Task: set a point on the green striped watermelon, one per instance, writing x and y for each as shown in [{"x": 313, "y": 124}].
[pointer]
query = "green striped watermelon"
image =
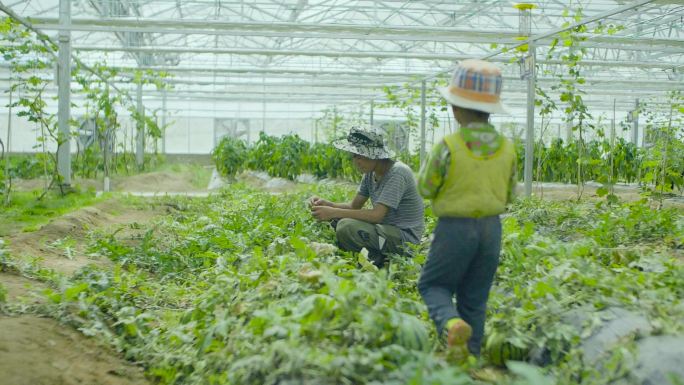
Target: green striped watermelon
[{"x": 499, "y": 350}]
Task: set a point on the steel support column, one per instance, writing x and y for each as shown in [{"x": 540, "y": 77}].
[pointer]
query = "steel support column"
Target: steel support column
[
  {"x": 140, "y": 132},
  {"x": 529, "y": 137},
  {"x": 163, "y": 121},
  {"x": 64, "y": 95},
  {"x": 372, "y": 108},
  {"x": 635, "y": 124},
  {"x": 8, "y": 146},
  {"x": 422, "y": 122}
]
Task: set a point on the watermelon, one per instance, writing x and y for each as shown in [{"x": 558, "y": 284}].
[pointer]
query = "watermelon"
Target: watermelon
[
  {"x": 411, "y": 333},
  {"x": 500, "y": 350}
]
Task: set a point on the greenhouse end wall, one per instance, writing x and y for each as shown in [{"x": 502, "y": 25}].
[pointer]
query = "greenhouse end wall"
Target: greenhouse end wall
[{"x": 184, "y": 135}]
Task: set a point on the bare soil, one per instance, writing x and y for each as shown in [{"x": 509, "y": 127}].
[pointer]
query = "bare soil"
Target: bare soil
[
  {"x": 59, "y": 245},
  {"x": 160, "y": 181},
  {"x": 182, "y": 180},
  {"x": 41, "y": 351},
  {"x": 22, "y": 290},
  {"x": 36, "y": 351},
  {"x": 263, "y": 181},
  {"x": 561, "y": 192}
]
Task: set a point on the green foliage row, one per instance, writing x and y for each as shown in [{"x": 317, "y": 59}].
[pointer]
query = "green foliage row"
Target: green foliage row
[
  {"x": 231, "y": 289},
  {"x": 562, "y": 258},
  {"x": 558, "y": 163},
  {"x": 286, "y": 157},
  {"x": 229, "y": 156},
  {"x": 87, "y": 164}
]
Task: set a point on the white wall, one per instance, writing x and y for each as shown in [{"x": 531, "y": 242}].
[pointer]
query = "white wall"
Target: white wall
[{"x": 196, "y": 135}]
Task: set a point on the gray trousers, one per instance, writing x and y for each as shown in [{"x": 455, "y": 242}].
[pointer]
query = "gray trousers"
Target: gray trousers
[
  {"x": 379, "y": 240},
  {"x": 462, "y": 262}
]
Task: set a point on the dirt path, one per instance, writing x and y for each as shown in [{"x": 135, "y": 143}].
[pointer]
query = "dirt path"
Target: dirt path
[
  {"x": 34, "y": 350},
  {"x": 21, "y": 290},
  {"x": 561, "y": 192},
  {"x": 59, "y": 245},
  {"x": 41, "y": 351}
]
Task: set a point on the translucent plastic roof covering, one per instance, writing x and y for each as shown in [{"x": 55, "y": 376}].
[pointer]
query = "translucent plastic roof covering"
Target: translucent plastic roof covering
[{"x": 337, "y": 52}]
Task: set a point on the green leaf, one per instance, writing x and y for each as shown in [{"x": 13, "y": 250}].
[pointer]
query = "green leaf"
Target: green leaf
[
  {"x": 72, "y": 293},
  {"x": 529, "y": 374}
]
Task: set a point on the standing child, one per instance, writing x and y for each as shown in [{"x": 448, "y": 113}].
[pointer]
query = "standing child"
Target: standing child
[{"x": 470, "y": 177}]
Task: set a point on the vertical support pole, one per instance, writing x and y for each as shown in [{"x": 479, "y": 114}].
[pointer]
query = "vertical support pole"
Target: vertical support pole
[
  {"x": 187, "y": 135},
  {"x": 107, "y": 150},
  {"x": 140, "y": 132},
  {"x": 612, "y": 147},
  {"x": 263, "y": 105},
  {"x": 372, "y": 111},
  {"x": 432, "y": 140},
  {"x": 63, "y": 93},
  {"x": 528, "y": 69},
  {"x": 569, "y": 136},
  {"x": 334, "y": 122},
  {"x": 635, "y": 124},
  {"x": 311, "y": 134},
  {"x": 263, "y": 116},
  {"x": 315, "y": 130},
  {"x": 529, "y": 137},
  {"x": 422, "y": 122},
  {"x": 8, "y": 180},
  {"x": 163, "y": 121}
]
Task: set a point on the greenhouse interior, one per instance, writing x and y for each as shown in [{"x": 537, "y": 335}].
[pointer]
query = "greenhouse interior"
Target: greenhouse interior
[{"x": 262, "y": 192}]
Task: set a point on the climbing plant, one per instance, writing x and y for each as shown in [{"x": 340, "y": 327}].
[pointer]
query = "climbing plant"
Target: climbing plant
[
  {"x": 31, "y": 56},
  {"x": 28, "y": 56},
  {"x": 662, "y": 170},
  {"x": 407, "y": 99}
]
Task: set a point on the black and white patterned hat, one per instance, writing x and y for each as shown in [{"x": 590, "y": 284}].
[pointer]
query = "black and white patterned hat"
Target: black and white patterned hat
[{"x": 366, "y": 142}]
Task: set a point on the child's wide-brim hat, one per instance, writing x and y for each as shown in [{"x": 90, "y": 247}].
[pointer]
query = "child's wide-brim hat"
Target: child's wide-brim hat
[
  {"x": 365, "y": 142},
  {"x": 476, "y": 85}
]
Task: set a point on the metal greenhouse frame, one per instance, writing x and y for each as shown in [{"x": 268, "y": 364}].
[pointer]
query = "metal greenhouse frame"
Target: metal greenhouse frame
[{"x": 302, "y": 57}]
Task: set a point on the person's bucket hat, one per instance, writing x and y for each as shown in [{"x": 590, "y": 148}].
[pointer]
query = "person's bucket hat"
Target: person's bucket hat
[
  {"x": 366, "y": 142},
  {"x": 476, "y": 85}
]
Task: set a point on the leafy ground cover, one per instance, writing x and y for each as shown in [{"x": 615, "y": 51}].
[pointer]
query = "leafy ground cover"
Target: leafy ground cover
[
  {"x": 242, "y": 287},
  {"x": 25, "y": 212}
]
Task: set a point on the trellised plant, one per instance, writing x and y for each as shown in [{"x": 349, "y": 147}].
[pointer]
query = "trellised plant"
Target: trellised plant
[
  {"x": 101, "y": 104},
  {"x": 571, "y": 95},
  {"x": 30, "y": 54},
  {"x": 329, "y": 126},
  {"x": 27, "y": 55},
  {"x": 148, "y": 122},
  {"x": 407, "y": 99},
  {"x": 576, "y": 111},
  {"x": 663, "y": 164}
]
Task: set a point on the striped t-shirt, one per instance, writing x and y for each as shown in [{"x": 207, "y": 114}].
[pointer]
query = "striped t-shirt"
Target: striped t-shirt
[{"x": 397, "y": 190}]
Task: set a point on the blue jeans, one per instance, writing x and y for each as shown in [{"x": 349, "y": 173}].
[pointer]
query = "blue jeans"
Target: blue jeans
[{"x": 462, "y": 262}]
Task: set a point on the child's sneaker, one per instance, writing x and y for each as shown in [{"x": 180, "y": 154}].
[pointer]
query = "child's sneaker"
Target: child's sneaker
[{"x": 458, "y": 333}]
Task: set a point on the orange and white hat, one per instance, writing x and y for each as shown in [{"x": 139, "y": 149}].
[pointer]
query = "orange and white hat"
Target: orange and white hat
[{"x": 476, "y": 85}]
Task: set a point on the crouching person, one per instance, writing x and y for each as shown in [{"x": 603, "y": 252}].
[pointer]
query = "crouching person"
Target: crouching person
[{"x": 395, "y": 217}]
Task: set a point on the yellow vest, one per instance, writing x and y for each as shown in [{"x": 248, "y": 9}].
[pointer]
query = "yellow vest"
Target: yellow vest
[{"x": 475, "y": 186}]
